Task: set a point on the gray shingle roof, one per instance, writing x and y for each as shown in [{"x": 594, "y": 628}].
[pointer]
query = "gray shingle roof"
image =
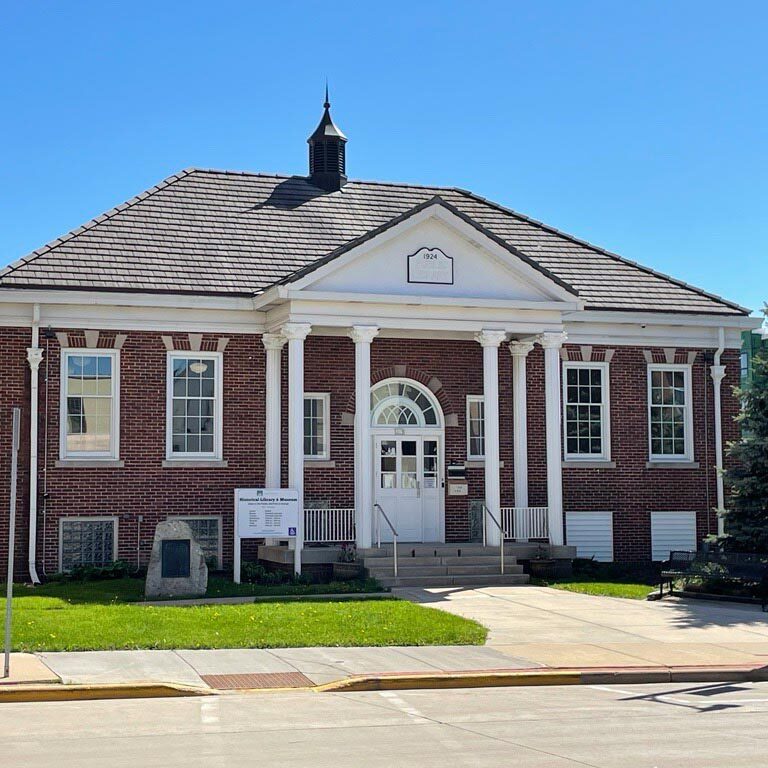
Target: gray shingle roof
[{"x": 232, "y": 233}]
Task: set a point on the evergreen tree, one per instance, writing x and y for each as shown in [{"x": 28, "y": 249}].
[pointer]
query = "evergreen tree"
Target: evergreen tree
[{"x": 746, "y": 520}]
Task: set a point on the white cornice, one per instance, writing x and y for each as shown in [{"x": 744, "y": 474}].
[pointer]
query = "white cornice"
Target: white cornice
[{"x": 661, "y": 318}]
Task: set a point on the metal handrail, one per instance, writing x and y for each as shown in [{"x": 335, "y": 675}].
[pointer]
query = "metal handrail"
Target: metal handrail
[
  {"x": 501, "y": 534},
  {"x": 383, "y": 514}
]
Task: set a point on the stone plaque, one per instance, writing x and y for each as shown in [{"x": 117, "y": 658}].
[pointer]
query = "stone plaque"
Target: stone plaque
[
  {"x": 177, "y": 565},
  {"x": 175, "y": 558}
]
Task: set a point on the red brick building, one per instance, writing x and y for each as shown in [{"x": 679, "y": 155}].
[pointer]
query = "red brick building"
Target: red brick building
[{"x": 419, "y": 350}]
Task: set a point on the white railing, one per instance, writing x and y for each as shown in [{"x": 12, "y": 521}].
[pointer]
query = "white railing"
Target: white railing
[
  {"x": 329, "y": 526},
  {"x": 524, "y": 523}
]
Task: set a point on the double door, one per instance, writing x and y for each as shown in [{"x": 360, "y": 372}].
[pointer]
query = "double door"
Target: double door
[{"x": 409, "y": 486}]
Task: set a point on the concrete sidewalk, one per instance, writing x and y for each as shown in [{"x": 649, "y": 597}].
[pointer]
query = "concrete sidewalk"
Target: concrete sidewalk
[
  {"x": 556, "y": 628},
  {"x": 531, "y": 628}
]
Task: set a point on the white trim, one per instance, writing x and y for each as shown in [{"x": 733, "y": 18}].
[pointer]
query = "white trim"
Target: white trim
[
  {"x": 88, "y": 519},
  {"x": 114, "y": 439},
  {"x": 216, "y": 454},
  {"x": 325, "y": 398},
  {"x": 687, "y": 379},
  {"x": 354, "y": 297},
  {"x": 220, "y": 547},
  {"x": 605, "y": 421},
  {"x": 393, "y": 429},
  {"x": 475, "y": 456}
]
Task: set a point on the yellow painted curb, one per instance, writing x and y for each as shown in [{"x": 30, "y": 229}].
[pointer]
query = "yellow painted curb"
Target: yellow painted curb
[
  {"x": 450, "y": 680},
  {"x": 36, "y": 693}
]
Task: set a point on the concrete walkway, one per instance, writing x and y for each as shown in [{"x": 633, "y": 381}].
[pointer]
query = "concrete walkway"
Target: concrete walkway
[
  {"x": 555, "y": 628},
  {"x": 530, "y": 627}
]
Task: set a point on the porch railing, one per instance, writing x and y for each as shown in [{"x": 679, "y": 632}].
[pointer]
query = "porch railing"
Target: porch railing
[
  {"x": 329, "y": 526},
  {"x": 524, "y": 523}
]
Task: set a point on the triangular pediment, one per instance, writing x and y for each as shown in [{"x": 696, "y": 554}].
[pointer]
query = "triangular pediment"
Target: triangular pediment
[{"x": 433, "y": 251}]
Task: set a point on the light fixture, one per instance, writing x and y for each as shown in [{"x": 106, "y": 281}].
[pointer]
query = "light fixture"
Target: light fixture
[{"x": 198, "y": 367}]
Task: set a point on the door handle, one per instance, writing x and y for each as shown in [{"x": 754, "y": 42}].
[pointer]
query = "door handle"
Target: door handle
[{"x": 418, "y": 489}]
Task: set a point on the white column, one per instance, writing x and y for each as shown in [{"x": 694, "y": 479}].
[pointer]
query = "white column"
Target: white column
[
  {"x": 717, "y": 372},
  {"x": 295, "y": 333},
  {"x": 363, "y": 335},
  {"x": 273, "y": 344},
  {"x": 490, "y": 341},
  {"x": 552, "y": 342},
  {"x": 519, "y": 351}
]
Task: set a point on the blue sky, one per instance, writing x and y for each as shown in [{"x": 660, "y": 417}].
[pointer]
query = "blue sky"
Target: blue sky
[{"x": 638, "y": 126}]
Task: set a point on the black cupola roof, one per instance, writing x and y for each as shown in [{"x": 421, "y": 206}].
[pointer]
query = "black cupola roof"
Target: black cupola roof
[{"x": 327, "y": 161}]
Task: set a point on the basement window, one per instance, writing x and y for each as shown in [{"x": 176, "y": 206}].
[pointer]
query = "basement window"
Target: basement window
[{"x": 87, "y": 541}]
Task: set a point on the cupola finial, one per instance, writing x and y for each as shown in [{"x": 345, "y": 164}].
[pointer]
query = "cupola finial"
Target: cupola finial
[{"x": 327, "y": 153}]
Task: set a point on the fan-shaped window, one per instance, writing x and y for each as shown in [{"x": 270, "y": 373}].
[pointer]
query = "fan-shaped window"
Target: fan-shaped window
[{"x": 400, "y": 403}]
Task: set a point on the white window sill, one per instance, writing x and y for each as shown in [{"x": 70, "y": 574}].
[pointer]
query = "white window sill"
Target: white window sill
[
  {"x": 194, "y": 463},
  {"x": 589, "y": 463},
  {"x": 477, "y": 463},
  {"x": 90, "y": 463},
  {"x": 319, "y": 463},
  {"x": 656, "y": 464}
]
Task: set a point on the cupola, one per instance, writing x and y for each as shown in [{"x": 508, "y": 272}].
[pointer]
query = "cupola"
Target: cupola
[{"x": 327, "y": 166}]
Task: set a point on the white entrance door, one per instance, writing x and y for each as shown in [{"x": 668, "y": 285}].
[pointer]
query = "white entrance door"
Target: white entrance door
[{"x": 408, "y": 486}]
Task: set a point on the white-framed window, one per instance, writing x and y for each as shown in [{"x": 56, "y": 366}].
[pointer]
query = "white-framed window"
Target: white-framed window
[
  {"x": 207, "y": 532},
  {"x": 87, "y": 541},
  {"x": 475, "y": 427},
  {"x": 670, "y": 415},
  {"x": 317, "y": 432},
  {"x": 586, "y": 411},
  {"x": 194, "y": 405},
  {"x": 90, "y": 404}
]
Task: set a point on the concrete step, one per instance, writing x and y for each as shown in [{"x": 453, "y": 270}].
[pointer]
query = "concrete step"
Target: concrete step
[
  {"x": 455, "y": 581},
  {"x": 442, "y": 570},
  {"x": 381, "y": 562},
  {"x": 431, "y": 550}
]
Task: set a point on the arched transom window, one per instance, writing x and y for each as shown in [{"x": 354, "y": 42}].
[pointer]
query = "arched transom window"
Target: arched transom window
[{"x": 397, "y": 403}]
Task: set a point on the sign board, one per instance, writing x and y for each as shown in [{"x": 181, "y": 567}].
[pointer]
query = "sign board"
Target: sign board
[
  {"x": 266, "y": 512},
  {"x": 430, "y": 265},
  {"x": 457, "y": 488}
]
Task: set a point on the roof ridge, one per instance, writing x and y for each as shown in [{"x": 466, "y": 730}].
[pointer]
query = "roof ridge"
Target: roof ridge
[
  {"x": 94, "y": 222},
  {"x": 369, "y": 182},
  {"x": 598, "y": 249}
]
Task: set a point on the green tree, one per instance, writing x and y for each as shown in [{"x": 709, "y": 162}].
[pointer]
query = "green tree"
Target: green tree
[{"x": 746, "y": 520}]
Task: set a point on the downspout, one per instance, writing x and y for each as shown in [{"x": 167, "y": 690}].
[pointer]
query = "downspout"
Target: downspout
[
  {"x": 34, "y": 358},
  {"x": 717, "y": 372}
]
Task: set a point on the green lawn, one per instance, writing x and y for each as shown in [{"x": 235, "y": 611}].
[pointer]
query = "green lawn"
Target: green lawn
[
  {"x": 103, "y": 615},
  {"x": 632, "y": 590}
]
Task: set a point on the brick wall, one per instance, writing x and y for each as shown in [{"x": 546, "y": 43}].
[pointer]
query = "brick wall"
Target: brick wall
[{"x": 453, "y": 369}]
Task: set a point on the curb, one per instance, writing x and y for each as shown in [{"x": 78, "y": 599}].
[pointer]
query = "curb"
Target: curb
[
  {"x": 39, "y": 693},
  {"x": 397, "y": 682},
  {"x": 562, "y": 676}
]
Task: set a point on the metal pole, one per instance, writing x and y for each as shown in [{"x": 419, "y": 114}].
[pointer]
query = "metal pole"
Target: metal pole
[{"x": 11, "y": 538}]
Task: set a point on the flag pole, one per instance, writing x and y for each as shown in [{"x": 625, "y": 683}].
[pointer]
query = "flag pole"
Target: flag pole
[{"x": 11, "y": 538}]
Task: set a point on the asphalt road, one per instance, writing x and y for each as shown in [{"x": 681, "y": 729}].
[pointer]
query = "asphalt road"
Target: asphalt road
[{"x": 627, "y": 726}]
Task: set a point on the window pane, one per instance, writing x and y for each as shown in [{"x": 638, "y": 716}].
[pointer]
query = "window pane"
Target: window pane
[
  {"x": 194, "y": 394},
  {"x": 584, "y": 411},
  {"x": 314, "y": 427},
  {"x": 88, "y": 425},
  {"x": 667, "y": 413}
]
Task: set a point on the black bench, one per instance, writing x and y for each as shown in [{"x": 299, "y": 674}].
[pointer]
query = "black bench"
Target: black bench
[
  {"x": 744, "y": 568},
  {"x": 679, "y": 564}
]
